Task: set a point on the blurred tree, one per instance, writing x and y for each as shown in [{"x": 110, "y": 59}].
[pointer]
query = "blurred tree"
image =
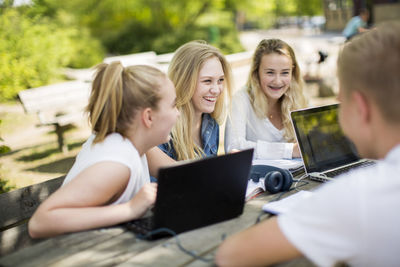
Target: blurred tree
[
  {"x": 34, "y": 48},
  {"x": 127, "y": 26},
  {"x": 309, "y": 7}
]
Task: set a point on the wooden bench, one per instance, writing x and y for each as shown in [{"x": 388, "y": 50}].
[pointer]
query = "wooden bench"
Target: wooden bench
[
  {"x": 16, "y": 207},
  {"x": 146, "y": 58},
  {"x": 58, "y": 105}
]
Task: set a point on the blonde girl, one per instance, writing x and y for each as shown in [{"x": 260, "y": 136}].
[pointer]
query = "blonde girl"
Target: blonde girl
[
  {"x": 202, "y": 79},
  {"x": 130, "y": 110},
  {"x": 260, "y": 115}
]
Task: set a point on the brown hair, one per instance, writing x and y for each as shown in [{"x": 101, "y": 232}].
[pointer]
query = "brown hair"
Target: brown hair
[
  {"x": 117, "y": 93},
  {"x": 370, "y": 63}
]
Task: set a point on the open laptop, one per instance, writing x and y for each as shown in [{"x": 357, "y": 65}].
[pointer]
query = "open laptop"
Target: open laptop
[
  {"x": 197, "y": 193},
  {"x": 325, "y": 150}
]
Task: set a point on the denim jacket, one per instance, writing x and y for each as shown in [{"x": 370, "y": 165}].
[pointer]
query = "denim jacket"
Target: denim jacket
[{"x": 209, "y": 138}]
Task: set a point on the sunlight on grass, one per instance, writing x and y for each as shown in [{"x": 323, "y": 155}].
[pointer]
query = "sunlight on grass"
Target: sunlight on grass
[{"x": 37, "y": 164}]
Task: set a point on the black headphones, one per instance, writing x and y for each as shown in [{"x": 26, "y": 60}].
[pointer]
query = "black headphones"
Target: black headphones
[{"x": 276, "y": 179}]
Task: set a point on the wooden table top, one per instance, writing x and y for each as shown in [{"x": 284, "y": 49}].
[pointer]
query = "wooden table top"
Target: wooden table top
[{"x": 115, "y": 246}]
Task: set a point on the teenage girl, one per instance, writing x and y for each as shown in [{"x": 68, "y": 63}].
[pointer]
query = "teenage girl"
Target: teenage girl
[
  {"x": 130, "y": 110},
  {"x": 260, "y": 114},
  {"x": 203, "y": 83}
]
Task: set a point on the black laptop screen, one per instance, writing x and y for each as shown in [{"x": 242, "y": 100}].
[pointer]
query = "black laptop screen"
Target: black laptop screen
[{"x": 322, "y": 142}]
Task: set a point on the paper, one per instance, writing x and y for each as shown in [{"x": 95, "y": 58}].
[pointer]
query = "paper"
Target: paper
[
  {"x": 285, "y": 204},
  {"x": 254, "y": 188},
  {"x": 280, "y": 163}
]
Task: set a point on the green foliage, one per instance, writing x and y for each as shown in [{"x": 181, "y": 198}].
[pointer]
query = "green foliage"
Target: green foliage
[
  {"x": 39, "y": 39},
  {"x": 127, "y": 26},
  {"x": 309, "y": 7},
  {"x": 87, "y": 51},
  {"x": 221, "y": 31},
  {"x": 4, "y": 148},
  {"x": 263, "y": 14},
  {"x": 33, "y": 49},
  {"x": 4, "y": 187}
]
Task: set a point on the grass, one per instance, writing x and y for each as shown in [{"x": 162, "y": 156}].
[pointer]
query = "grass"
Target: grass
[
  {"x": 34, "y": 155},
  {"x": 36, "y": 164}
]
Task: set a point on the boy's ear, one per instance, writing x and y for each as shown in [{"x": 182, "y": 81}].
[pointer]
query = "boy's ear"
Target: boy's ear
[
  {"x": 147, "y": 117},
  {"x": 363, "y": 106}
]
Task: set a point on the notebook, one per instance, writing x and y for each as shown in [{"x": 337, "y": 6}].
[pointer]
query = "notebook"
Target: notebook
[
  {"x": 197, "y": 193},
  {"x": 325, "y": 150}
]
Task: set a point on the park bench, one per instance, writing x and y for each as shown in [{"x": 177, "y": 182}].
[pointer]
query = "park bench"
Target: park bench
[
  {"x": 145, "y": 58},
  {"x": 59, "y": 105},
  {"x": 16, "y": 207}
]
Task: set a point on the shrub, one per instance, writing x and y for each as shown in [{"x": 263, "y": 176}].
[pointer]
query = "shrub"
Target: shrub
[{"x": 33, "y": 50}]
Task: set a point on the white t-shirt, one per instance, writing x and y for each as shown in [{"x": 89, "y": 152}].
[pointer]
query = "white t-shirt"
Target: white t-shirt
[
  {"x": 245, "y": 130},
  {"x": 354, "y": 219},
  {"x": 114, "y": 148}
]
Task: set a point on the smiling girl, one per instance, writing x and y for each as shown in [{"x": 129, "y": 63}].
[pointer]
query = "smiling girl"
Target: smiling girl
[
  {"x": 202, "y": 79},
  {"x": 260, "y": 115}
]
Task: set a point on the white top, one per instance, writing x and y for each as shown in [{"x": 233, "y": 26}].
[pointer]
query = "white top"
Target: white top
[
  {"x": 355, "y": 219},
  {"x": 117, "y": 149},
  {"x": 245, "y": 130}
]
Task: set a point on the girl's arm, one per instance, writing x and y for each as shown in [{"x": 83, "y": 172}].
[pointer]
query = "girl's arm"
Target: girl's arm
[
  {"x": 156, "y": 159},
  {"x": 241, "y": 117},
  {"x": 84, "y": 203}
]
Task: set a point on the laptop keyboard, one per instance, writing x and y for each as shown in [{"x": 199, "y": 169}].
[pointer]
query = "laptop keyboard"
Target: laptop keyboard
[
  {"x": 140, "y": 226},
  {"x": 347, "y": 168}
]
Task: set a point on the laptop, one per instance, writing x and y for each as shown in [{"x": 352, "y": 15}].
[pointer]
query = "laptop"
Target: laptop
[
  {"x": 196, "y": 194},
  {"x": 325, "y": 150}
]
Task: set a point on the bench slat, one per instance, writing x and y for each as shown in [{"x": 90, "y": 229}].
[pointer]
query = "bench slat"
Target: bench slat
[
  {"x": 18, "y": 205},
  {"x": 55, "y": 97}
]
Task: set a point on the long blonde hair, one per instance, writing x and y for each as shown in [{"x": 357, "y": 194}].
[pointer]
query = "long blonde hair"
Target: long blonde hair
[
  {"x": 184, "y": 72},
  {"x": 117, "y": 93},
  {"x": 291, "y": 100}
]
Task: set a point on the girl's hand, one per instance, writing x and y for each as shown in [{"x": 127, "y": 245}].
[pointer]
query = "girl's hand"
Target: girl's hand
[{"x": 143, "y": 200}]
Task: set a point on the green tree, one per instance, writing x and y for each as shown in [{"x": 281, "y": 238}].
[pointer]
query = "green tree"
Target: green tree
[
  {"x": 309, "y": 7},
  {"x": 34, "y": 48},
  {"x": 127, "y": 26}
]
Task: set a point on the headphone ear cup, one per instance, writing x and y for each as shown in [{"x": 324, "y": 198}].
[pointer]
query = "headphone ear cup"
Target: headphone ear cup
[
  {"x": 287, "y": 180},
  {"x": 274, "y": 181}
]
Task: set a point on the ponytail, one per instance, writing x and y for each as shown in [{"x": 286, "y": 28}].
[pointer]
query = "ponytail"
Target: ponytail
[{"x": 117, "y": 93}]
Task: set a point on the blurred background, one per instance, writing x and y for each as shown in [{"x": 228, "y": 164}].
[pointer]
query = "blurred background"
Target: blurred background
[{"x": 48, "y": 43}]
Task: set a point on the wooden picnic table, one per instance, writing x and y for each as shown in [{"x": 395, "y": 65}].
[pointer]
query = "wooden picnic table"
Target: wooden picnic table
[{"x": 116, "y": 246}]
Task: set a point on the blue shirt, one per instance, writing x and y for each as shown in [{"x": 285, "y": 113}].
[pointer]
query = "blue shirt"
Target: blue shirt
[
  {"x": 209, "y": 138},
  {"x": 352, "y": 26}
]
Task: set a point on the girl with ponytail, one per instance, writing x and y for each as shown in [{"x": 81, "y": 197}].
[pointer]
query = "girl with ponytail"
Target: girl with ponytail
[{"x": 130, "y": 110}]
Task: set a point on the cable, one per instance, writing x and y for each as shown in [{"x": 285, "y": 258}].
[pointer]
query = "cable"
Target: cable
[
  {"x": 300, "y": 180},
  {"x": 260, "y": 215},
  {"x": 178, "y": 242}
]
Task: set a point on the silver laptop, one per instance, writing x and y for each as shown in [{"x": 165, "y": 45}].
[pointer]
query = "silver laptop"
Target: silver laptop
[{"x": 325, "y": 150}]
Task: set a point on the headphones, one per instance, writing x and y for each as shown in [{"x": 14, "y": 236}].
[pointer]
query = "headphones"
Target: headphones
[{"x": 276, "y": 179}]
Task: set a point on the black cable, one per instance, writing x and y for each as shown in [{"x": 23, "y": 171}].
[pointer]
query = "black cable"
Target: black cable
[
  {"x": 178, "y": 242},
  {"x": 260, "y": 215}
]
